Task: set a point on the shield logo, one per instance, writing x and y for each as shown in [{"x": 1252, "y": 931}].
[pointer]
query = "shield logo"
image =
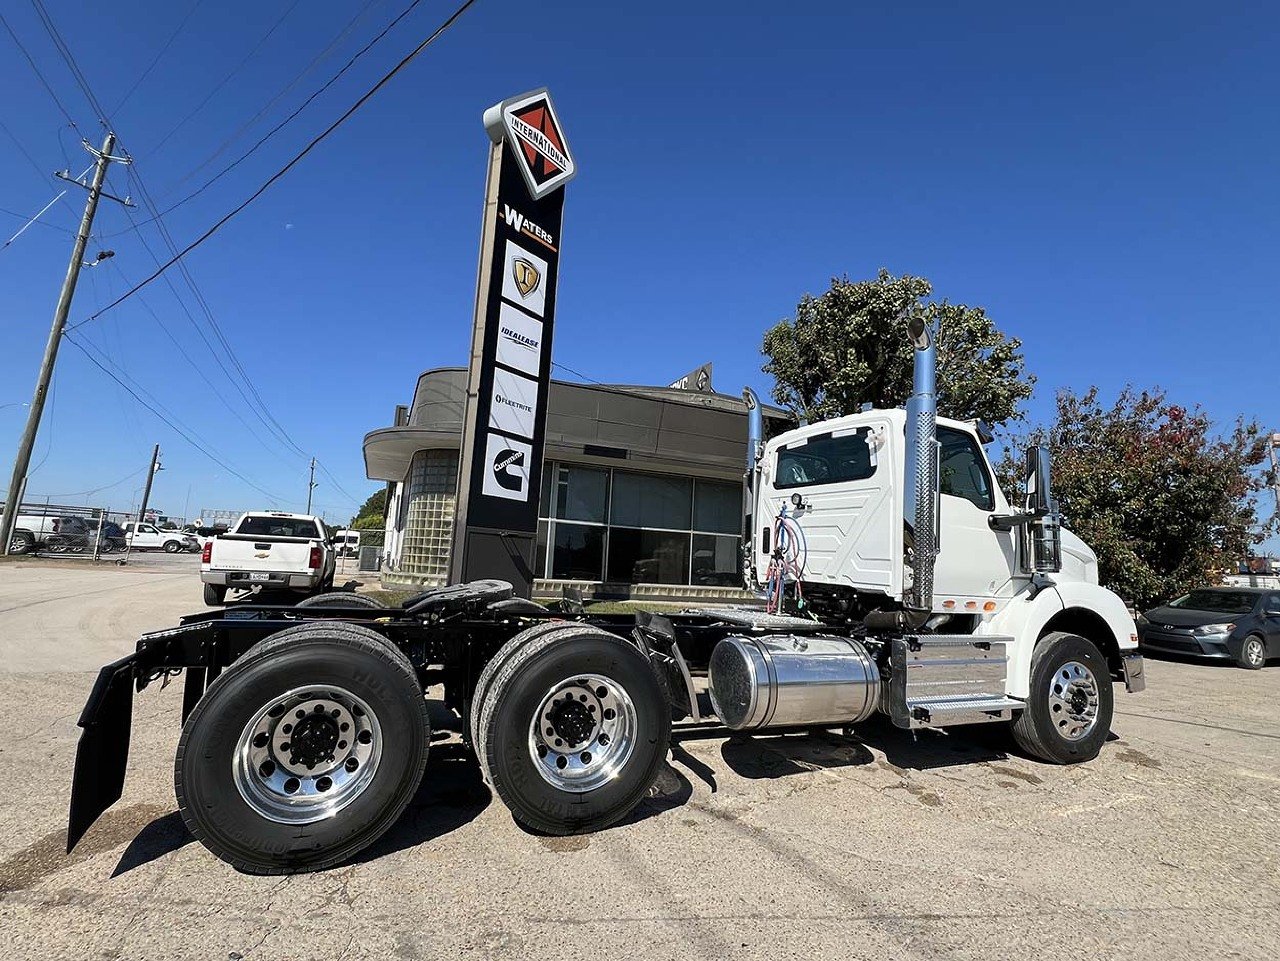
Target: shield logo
[{"x": 525, "y": 275}]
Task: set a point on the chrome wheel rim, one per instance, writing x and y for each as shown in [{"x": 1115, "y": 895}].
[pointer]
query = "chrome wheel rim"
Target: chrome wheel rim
[
  {"x": 1073, "y": 701},
  {"x": 583, "y": 733},
  {"x": 1253, "y": 650},
  {"x": 307, "y": 754}
]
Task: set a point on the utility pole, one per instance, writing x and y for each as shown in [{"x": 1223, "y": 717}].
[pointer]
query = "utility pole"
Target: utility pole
[
  {"x": 18, "y": 482},
  {"x": 151, "y": 474},
  {"x": 1275, "y": 470},
  {"x": 311, "y": 484}
]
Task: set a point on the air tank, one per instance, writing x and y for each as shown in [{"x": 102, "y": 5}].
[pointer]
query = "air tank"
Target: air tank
[{"x": 789, "y": 680}]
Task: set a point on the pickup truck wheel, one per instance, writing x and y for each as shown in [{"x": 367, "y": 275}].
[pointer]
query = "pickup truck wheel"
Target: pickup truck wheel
[
  {"x": 496, "y": 664},
  {"x": 574, "y": 729},
  {"x": 21, "y": 543},
  {"x": 342, "y": 599},
  {"x": 303, "y": 752},
  {"x": 172, "y": 547},
  {"x": 1068, "y": 714},
  {"x": 215, "y": 595}
]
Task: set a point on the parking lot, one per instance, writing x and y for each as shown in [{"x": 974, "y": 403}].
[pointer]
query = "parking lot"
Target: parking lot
[{"x": 795, "y": 846}]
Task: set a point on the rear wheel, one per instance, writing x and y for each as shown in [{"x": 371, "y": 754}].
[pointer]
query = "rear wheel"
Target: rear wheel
[
  {"x": 574, "y": 730},
  {"x": 303, "y": 752},
  {"x": 215, "y": 595},
  {"x": 1069, "y": 710},
  {"x": 21, "y": 543},
  {"x": 495, "y": 664},
  {"x": 1253, "y": 653},
  {"x": 342, "y": 599}
]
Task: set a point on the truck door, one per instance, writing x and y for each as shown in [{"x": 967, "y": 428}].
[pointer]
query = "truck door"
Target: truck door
[
  {"x": 974, "y": 561},
  {"x": 846, "y": 514}
]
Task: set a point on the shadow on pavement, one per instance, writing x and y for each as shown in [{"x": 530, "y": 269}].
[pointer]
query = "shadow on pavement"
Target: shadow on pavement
[{"x": 162, "y": 836}]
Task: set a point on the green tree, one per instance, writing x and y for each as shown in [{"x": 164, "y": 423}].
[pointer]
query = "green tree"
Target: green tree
[
  {"x": 375, "y": 507},
  {"x": 1166, "y": 501},
  {"x": 848, "y": 347}
]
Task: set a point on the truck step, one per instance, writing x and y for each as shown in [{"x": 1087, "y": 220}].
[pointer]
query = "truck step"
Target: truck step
[{"x": 941, "y": 680}]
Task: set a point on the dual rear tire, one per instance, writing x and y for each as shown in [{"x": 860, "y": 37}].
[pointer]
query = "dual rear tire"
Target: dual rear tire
[
  {"x": 571, "y": 727},
  {"x": 305, "y": 751}
]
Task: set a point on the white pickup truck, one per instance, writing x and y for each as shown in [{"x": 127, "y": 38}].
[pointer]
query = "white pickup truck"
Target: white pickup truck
[{"x": 268, "y": 549}]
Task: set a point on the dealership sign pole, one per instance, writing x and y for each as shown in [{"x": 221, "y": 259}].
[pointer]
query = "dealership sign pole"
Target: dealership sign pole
[{"x": 496, "y": 520}]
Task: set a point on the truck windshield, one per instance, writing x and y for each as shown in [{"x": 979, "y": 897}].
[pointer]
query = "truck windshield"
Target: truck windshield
[
  {"x": 1224, "y": 602},
  {"x": 825, "y": 459},
  {"x": 278, "y": 527}
]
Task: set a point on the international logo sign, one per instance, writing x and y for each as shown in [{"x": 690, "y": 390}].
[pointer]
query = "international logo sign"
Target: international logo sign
[
  {"x": 525, "y": 275},
  {"x": 531, "y": 126}
]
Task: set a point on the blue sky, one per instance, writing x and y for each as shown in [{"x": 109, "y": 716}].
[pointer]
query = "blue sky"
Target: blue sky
[{"x": 1101, "y": 179}]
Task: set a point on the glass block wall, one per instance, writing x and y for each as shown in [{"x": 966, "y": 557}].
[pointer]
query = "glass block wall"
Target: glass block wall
[{"x": 428, "y": 527}]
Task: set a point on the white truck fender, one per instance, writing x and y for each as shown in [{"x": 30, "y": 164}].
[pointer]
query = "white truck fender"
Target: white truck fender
[
  {"x": 1023, "y": 619},
  {"x": 1107, "y": 606}
]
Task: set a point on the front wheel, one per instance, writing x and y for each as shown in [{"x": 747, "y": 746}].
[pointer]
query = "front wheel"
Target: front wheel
[
  {"x": 1069, "y": 710},
  {"x": 573, "y": 731},
  {"x": 172, "y": 547},
  {"x": 1253, "y": 653},
  {"x": 21, "y": 543},
  {"x": 304, "y": 752}
]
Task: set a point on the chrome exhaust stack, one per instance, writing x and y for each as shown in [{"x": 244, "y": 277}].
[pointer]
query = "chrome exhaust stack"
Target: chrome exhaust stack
[
  {"x": 755, "y": 447},
  {"x": 921, "y": 503}
]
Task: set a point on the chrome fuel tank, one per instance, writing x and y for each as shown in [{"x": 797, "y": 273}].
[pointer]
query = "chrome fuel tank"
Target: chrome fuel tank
[{"x": 784, "y": 680}]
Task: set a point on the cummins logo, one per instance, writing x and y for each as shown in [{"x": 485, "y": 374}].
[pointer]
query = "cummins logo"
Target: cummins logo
[
  {"x": 506, "y": 471},
  {"x": 530, "y": 124}
]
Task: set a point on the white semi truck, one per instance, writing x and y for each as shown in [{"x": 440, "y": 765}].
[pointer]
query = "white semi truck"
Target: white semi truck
[{"x": 896, "y": 579}]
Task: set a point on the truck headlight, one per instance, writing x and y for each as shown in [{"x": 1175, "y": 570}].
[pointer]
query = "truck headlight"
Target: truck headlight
[{"x": 1213, "y": 629}]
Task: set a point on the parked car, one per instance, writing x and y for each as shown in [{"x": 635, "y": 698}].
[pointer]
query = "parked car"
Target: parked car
[
  {"x": 269, "y": 549},
  {"x": 1228, "y": 623},
  {"x": 50, "y": 532},
  {"x": 150, "y": 537}
]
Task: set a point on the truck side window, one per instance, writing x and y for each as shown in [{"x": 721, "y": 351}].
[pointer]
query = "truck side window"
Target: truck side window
[
  {"x": 964, "y": 470},
  {"x": 825, "y": 459}
]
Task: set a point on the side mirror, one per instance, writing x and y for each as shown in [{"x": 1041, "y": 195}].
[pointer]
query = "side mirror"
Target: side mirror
[{"x": 1039, "y": 493}]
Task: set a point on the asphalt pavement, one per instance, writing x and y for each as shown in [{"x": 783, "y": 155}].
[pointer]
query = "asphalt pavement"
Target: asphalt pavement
[{"x": 879, "y": 845}]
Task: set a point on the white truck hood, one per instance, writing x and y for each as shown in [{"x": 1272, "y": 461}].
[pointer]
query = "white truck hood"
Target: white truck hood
[{"x": 1079, "y": 562}]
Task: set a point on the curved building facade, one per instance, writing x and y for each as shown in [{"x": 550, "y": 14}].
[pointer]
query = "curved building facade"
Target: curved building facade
[{"x": 641, "y": 487}]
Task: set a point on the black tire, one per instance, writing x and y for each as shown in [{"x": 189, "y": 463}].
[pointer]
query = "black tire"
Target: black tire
[
  {"x": 1253, "y": 653},
  {"x": 342, "y": 599},
  {"x": 21, "y": 543},
  {"x": 517, "y": 693},
  {"x": 491, "y": 669},
  {"x": 56, "y": 545},
  {"x": 215, "y": 595},
  {"x": 172, "y": 547},
  {"x": 1038, "y": 729},
  {"x": 327, "y": 656}
]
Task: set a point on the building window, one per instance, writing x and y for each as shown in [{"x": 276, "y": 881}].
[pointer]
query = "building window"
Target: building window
[
  {"x": 631, "y": 528},
  {"x": 429, "y": 509}
]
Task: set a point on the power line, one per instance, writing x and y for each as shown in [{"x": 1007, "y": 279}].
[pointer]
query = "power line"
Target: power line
[
  {"x": 227, "y": 79},
  {"x": 341, "y": 490},
  {"x": 36, "y": 70},
  {"x": 69, "y": 59},
  {"x": 283, "y": 123},
  {"x": 180, "y": 432},
  {"x": 287, "y": 167},
  {"x": 315, "y": 61},
  {"x": 40, "y": 223},
  {"x": 104, "y": 487},
  {"x": 575, "y": 373},
  {"x": 156, "y": 59}
]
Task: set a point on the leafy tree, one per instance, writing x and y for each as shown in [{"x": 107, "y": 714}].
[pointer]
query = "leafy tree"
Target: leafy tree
[
  {"x": 1167, "y": 502},
  {"x": 370, "y": 522},
  {"x": 849, "y": 347},
  {"x": 375, "y": 507}
]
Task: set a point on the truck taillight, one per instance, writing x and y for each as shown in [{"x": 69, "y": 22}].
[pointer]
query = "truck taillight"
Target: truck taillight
[
  {"x": 206, "y": 555},
  {"x": 315, "y": 558}
]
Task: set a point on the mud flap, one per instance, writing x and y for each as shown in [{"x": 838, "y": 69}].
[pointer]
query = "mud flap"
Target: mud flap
[{"x": 104, "y": 747}]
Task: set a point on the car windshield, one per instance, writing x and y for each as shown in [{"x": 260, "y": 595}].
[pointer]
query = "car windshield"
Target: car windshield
[
  {"x": 1224, "y": 602},
  {"x": 278, "y": 527}
]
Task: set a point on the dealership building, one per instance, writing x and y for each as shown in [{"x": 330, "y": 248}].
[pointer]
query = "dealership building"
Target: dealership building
[{"x": 641, "y": 486}]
